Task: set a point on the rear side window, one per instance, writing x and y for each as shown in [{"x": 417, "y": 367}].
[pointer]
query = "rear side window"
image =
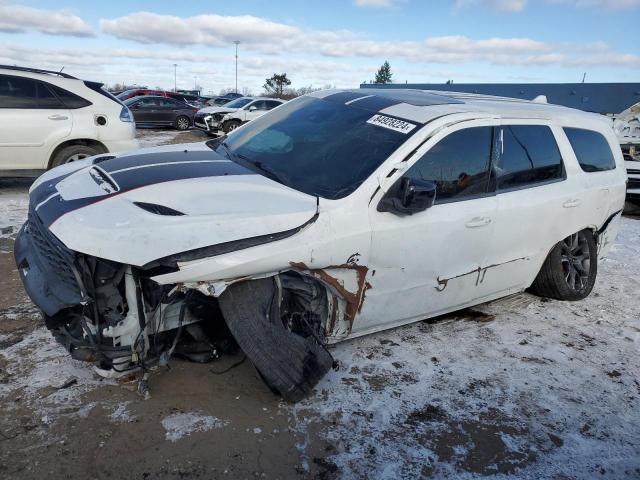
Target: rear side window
[
  {"x": 18, "y": 92},
  {"x": 458, "y": 164},
  {"x": 528, "y": 155},
  {"x": 68, "y": 99},
  {"x": 46, "y": 98},
  {"x": 591, "y": 149}
]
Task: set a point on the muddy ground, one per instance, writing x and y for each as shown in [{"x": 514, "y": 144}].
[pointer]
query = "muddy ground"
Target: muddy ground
[{"x": 520, "y": 388}]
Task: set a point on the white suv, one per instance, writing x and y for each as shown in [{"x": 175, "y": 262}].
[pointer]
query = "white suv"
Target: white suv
[
  {"x": 50, "y": 118},
  {"x": 220, "y": 120},
  {"x": 339, "y": 214}
]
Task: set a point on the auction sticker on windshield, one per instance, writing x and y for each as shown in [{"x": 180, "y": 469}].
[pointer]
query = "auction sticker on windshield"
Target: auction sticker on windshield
[{"x": 391, "y": 123}]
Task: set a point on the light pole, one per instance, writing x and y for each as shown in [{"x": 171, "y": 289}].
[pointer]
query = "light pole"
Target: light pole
[
  {"x": 237, "y": 42},
  {"x": 195, "y": 82},
  {"x": 175, "y": 82}
]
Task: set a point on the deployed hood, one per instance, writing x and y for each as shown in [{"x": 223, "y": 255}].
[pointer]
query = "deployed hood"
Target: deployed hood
[
  {"x": 137, "y": 208},
  {"x": 217, "y": 110}
]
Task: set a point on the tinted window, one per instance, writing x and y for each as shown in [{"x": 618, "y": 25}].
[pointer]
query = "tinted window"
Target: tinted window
[
  {"x": 70, "y": 100},
  {"x": 271, "y": 104},
  {"x": 529, "y": 155},
  {"x": 238, "y": 103},
  {"x": 18, "y": 92},
  {"x": 46, "y": 98},
  {"x": 591, "y": 149},
  {"x": 257, "y": 105},
  {"x": 147, "y": 102},
  {"x": 458, "y": 164},
  {"x": 170, "y": 103},
  {"x": 315, "y": 146}
]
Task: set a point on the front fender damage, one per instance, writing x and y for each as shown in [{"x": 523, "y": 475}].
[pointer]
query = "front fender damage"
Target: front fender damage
[{"x": 291, "y": 357}]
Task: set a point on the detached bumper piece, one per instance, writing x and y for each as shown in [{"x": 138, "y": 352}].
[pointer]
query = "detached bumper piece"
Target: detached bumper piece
[
  {"x": 47, "y": 268},
  {"x": 290, "y": 363}
]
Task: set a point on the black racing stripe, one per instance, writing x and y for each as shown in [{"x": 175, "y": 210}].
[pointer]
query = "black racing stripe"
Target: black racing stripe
[
  {"x": 141, "y": 177},
  {"x": 149, "y": 158},
  {"x": 344, "y": 97},
  {"x": 149, "y": 175}
]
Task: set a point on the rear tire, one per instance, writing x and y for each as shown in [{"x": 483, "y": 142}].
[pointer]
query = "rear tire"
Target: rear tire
[
  {"x": 71, "y": 154},
  {"x": 182, "y": 123},
  {"x": 569, "y": 271}
]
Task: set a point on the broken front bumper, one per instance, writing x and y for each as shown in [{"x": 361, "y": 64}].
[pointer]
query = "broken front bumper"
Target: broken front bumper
[
  {"x": 207, "y": 123},
  {"x": 47, "y": 268}
]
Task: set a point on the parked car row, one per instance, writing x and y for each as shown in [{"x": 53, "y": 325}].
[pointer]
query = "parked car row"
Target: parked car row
[
  {"x": 155, "y": 111},
  {"x": 221, "y": 120}
]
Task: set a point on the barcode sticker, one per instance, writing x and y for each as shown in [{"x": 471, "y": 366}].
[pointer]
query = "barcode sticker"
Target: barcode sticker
[{"x": 391, "y": 123}]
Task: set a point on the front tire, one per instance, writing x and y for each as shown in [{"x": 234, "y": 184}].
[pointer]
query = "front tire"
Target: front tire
[
  {"x": 569, "y": 271},
  {"x": 71, "y": 154},
  {"x": 230, "y": 126},
  {"x": 182, "y": 123}
]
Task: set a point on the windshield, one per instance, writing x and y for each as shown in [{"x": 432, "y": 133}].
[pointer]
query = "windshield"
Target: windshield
[
  {"x": 239, "y": 103},
  {"x": 317, "y": 146}
]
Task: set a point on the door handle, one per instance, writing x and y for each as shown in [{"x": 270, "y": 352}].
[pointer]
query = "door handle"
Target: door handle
[
  {"x": 478, "y": 222},
  {"x": 58, "y": 117},
  {"x": 572, "y": 203}
]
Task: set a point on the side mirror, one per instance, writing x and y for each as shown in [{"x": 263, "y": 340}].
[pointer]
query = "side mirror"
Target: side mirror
[
  {"x": 253, "y": 108},
  {"x": 408, "y": 196}
]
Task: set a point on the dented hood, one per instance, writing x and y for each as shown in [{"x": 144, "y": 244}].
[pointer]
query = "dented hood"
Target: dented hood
[
  {"x": 217, "y": 110},
  {"x": 135, "y": 209}
]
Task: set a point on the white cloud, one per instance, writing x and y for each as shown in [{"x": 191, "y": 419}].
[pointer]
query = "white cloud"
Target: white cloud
[
  {"x": 269, "y": 37},
  {"x": 374, "y": 3},
  {"x": 614, "y": 5},
  {"x": 511, "y": 6},
  {"x": 19, "y": 18},
  {"x": 499, "y": 5}
]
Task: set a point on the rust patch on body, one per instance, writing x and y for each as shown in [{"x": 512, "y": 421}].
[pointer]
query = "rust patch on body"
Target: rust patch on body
[{"x": 354, "y": 300}]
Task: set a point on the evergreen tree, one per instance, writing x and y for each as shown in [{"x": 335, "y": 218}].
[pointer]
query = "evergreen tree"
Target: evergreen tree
[
  {"x": 275, "y": 85},
  {"x": 383, "y": 75}
]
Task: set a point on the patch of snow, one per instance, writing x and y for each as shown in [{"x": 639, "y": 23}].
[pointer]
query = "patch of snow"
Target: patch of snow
[
  {"x": 535, "y": 388},
  {"x": 39, "y": 369},
  {"x": 179, "y": 425},
  {"x": 121, "y": 414},
  {"x": 153, "y": 138},
  {"x": 14, "y": 205}
]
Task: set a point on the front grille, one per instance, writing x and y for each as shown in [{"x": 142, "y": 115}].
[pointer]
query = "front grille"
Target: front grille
[
  {"x": 57, "y": 258},
  {"x": 633, "y": 183}
]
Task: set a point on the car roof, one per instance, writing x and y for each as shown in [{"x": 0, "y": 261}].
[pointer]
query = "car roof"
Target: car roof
[
  {"x": 261, "y": 98},
  {"x": 425, "y": 105}
]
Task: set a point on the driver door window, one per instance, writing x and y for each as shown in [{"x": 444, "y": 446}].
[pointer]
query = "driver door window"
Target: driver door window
[{"x": 458, "y": 165}]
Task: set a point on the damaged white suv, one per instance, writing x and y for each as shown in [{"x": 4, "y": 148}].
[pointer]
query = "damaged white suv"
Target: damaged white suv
[{"x": 338, "y": 214}]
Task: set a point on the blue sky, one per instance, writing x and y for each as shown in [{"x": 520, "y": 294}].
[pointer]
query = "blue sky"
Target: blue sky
[{"x": 338, "y": 43}]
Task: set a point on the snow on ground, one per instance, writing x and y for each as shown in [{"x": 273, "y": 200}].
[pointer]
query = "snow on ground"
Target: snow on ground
[
  {"x": 47, "y": 378},
  {"x": 526, "y": 386},
  {"x": 182, "y": 424},
  {"x": 14, "y": 205},
  {"x": 152, "y": 138}
]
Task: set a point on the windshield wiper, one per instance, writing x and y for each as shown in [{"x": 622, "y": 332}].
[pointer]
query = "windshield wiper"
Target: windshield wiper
[{"x": 261, "y": 168}]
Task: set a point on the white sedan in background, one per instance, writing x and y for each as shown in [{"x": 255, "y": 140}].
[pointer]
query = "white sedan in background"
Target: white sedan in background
[{"x": 221, "y": 120}]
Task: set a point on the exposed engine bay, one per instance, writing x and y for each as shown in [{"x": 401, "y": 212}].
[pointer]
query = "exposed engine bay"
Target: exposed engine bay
[{"x": 129, "y": 323}]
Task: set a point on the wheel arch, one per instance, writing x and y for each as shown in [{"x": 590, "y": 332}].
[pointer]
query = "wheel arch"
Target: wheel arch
[{"x": 88, "y": 142}]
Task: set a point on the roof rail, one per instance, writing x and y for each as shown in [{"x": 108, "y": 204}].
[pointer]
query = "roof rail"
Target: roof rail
[{"x": 36, "y": 70}]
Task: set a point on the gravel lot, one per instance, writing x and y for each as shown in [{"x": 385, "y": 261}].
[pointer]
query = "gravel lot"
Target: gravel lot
[{"x": 520, "y": 388}]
